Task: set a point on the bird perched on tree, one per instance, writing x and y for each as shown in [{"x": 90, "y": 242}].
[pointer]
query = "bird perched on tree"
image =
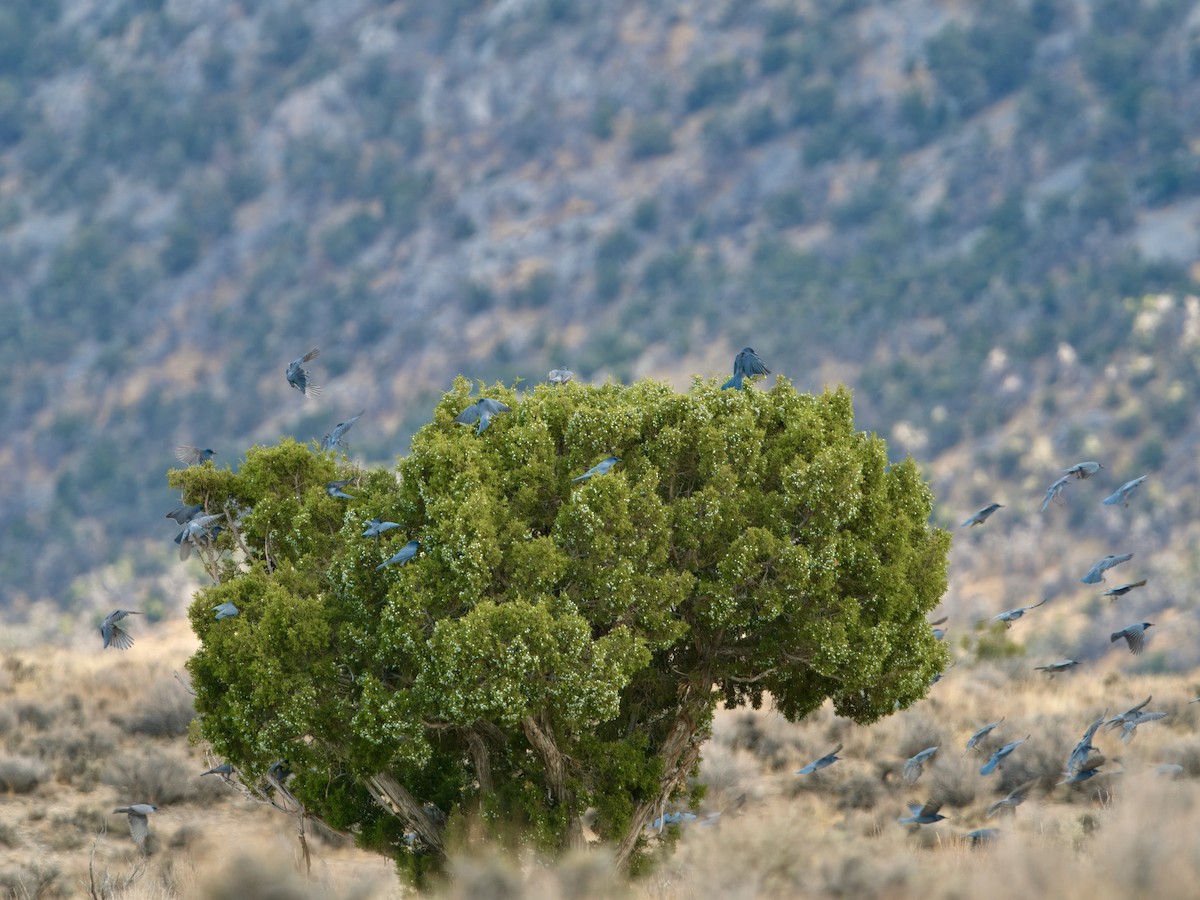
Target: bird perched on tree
[
  {"x": 334, "y": 489},
  {"x": 1012, "y": 800},
  {"x": 939, "y": 633},
  {"x": 916, "y": 764},
  {"x": 922, "y": 815},
  {"x": 194, "y": 456},
  {"x": 1122, "y": 589},
  {"x": 114, "y": 635},
  {"x": 376, "y": 527},
  {"x": 185, "y": 514},
  {"x": 225, "y": 610},
  {"x": 560, "y": 375},
  {"x": 982, "y": 516},
  {"x": 139, "y": 825},
  {"x": 1121, "y": 495},
  {"x": 1135, "y": 636},
  {"x": 1096, "y": 573},
  {"x": 1062, "y": 665},
  {"x": 407, "y": 552},
  {"x": 1084, "y": 470},
  {"x": 825, "y": 761},
  {"x": 481, "y": 411},
  {"x": 745, "y": 365},
  {"x": 973, "y": 740},
  {"x": 1012, "y": 615},
  {"x": 337, "y": 437},
  {"x": 998, "y": 757},
  {"x": 600, "y": 468},
  {"x": 1055, "y": 491},
  {"x": 297, "y": 375},
  {"x": 199, "y": 530}
]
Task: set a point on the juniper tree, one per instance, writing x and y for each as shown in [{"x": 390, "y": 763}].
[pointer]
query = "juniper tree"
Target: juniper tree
[{"x": 557, "y": 647}]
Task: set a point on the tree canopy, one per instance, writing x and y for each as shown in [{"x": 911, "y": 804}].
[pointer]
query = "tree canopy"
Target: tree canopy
[{"x": 557, "y": 646}]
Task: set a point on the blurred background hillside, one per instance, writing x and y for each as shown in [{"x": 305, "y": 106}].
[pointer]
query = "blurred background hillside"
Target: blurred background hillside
[{"x": 984, "y": 218}]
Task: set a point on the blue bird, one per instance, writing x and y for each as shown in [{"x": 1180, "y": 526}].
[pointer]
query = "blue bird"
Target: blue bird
[
  {"x": 745, "y": 365},
  {"x": 185, "y": 514},
  {"x": 334, "y": 489},
  {"x": 560, "y": 375},
  {"x": 407, "y": 552},
  {"x": 916, "y": 764},
  {"x": 939, "y": 633},
  {"x": 481, "y": 411},
  {"x": 336, "y": 438},
  {"x": 1135, "y": 636},
  {"x": 998, "y": 757},
  {"x": 1079, "y": 756},
  {"x": 825, "y": 761},
  {"x": 223, "y": 770},
  {"x": 922, "y": 815},
  {"x": 297, "y": 375},
  {"x": 973, "y": 740},
  {"x": 1055, "y": 491},
  {"x": 375, "y": 528},
  {"x": 225, "y": 610},
  {"x": 1012, "y": 615},
  {"x": 194, "y": 456},
  {"x": 1012, "y": 800},
  {"x": 672, "y": 818},
  {"x": 1096, "y": 573},
  {"x": 1062, "y": 665},
  {"x": 981, "y": 836},
  {"x": 139, "y": 826},
  {"x": 200, "y": 530},
  {"x": 982, "y": 516},
  {"x": 1084, "y": 771},
  {"x": 600, "y": 468},
  {"x": 1122, "y": 589},
  {"x": 1084, "y": 470},
  {"x": 114, "y": 635},
  {"x": 1121, "y": 495}
]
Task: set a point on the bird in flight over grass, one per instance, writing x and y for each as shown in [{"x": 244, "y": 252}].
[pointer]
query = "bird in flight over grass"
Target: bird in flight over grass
[
  {"x": 915, "y": 765},
  {"x": 1010, "y": 616},
  {"x": 922, "y": 815},
  {"x": 973, "y": 740},
  {"x": 114, "y": 635},
  {"x": 825, "y": 761},
  {"x": 1096, "y": 573},
  {"x": 1122, "y": 589},
  {"x": 297, "y": 375},
  {"x": 982, "y": 515},
  {"x": 1062, "y": 665},
  {"x": 139, "y": 825},
  {"x": 1122, "y": 494},
  {"x": 1134, "y": 635},
  {"x": 1084, "y": 470},
  {"x": 998, "y": 757}
]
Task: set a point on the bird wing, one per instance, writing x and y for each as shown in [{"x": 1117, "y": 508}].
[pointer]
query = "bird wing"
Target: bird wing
[
  {"x": 139, "y": 827},
  {"x": 750, "y": 364},
  {"x": 468, "y": 416},
  {"x": 118, "y": 637},
  {"x": 311, "y": 354}
]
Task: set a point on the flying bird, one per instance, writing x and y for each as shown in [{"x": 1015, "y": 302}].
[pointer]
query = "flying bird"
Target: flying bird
[
  {"x": 298, "y": 376},
  {"x": 1012, "y": 800},
  {"x": 1084, "y": 470},
  {"x": 1129, "y": 726},
  {"x": 599, "y": 468},
  {"x": 981, "y": 836},
  {"x": 194, "y": 456},
  {"x": 139, "y": 827},
  {"x": 1133, "y": 711},
  {"x": 225, "y": 610},
  {"x": 982, "y": 515},
  {"x": 407, "y": 552},
  {"x": 1096, "y": 573},
  {"x": 1062, "y": 665},
  {"x": 1079, "y": 756},
  {"x": 1087, "y": 769},
  {"x": 1055, "y": 491},
  {"x": 334, "y": 489},
  {"x": 560, "y": 375},
  {"x": 375, "y": 528},
  {"x": 1171, "y": 770},
  {"x": 998, "y": 757},
  {"x": 745, "y": 365},
  {"x": 1122, "y": 589},
  {"x": 1135, "y": 636},
  {"x": 973, "y": 740},
  {"x": 916, "y": 764},
  {"x": 1012, "y": 615},
  {"x": 185, "y": 514},
  {"x": 817, "y": 764},
  {"x": 337, "y": 437},
  {"x": 481, "y": 411},
  {"x": 922, "y": 815},
  {"x": 114, "y": 635},
  {"x": 1121, "y": 495},
  {"x": 939, "y": 633},
  {"x": 223, "y": 770}
]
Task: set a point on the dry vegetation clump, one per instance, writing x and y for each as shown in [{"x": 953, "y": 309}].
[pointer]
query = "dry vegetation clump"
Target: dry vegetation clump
[
  {"x": 21, "y": 774},
  {"x": 165, "y": 710},
  {"x": 161, "y": 777}
]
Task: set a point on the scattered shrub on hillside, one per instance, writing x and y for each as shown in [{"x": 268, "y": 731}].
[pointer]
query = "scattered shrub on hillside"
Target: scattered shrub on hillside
[{"x": 21, "y": 774}]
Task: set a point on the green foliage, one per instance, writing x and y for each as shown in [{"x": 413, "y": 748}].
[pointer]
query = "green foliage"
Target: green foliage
[{"x": 750, "y": 542}]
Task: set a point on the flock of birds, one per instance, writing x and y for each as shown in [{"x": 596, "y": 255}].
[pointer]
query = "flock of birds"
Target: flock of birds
[
  {"x": 200, "y": 529},
  {"x": 1084, "y": 761}
]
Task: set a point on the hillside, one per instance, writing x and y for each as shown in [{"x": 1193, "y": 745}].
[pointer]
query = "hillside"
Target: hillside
[{"x": 985, "y": 222}]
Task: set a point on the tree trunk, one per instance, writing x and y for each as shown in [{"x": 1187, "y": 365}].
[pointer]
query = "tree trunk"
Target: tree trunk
[
  {"x": 680, "y": 751},
  {"x": 556, "y": 777},
  {"x": 396, "y": 799}
]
